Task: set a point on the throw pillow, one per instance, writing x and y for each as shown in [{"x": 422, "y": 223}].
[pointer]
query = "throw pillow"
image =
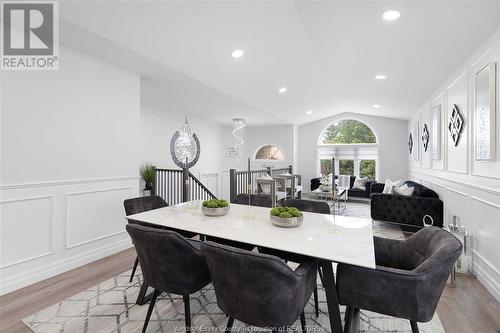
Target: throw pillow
[
  {"x": 360, "y": 183},
  {"x": 404, "y": 190},
  {"x": 389, "y": 186}
]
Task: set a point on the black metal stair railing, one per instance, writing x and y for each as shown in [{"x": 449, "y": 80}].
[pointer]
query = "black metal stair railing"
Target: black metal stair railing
[{"x": 177, "y": 185}]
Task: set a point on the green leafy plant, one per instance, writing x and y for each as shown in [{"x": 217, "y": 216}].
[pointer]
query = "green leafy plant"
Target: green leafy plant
[
  {"x": 147, "y": 172},
  {"x": 214, "y": 203},
  {"x": 286, "y": 212}
]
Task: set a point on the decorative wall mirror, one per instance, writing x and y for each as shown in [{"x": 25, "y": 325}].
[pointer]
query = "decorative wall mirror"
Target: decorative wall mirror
[
  {"x": 484, "y": 113},
  {"x": 410, "y": 143},
  {"x": 425, "y": 137}
]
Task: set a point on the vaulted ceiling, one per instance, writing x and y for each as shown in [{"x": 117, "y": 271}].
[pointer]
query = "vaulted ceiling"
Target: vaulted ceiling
[{"x": 325, "y": 53}]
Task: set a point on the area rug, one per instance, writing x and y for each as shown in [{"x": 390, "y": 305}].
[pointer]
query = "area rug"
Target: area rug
[{"x": 110, "y": 307}]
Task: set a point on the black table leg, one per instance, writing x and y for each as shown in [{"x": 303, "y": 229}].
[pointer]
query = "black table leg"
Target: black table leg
[
  {"x": 142, "y": 298},
  {"x": 332, "y": 299}
]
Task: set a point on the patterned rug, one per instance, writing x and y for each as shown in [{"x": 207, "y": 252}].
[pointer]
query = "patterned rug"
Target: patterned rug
[{"x": 110, "y": 307}]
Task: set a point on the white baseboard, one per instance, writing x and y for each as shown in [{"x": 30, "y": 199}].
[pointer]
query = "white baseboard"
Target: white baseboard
[
  {"x": 36, "y": 275},
  {"x": 481, "y": 270}
]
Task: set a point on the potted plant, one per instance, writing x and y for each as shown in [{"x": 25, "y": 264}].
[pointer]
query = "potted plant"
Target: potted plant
[
  {"x": 214, "y": 207},
  {"x": 287, "y": 217},
  {"x": 147, "y": 172}
]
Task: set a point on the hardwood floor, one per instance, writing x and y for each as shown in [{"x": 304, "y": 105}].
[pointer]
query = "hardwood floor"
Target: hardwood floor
[
  {"x": 21, "y": 303},
  {"x": 467, "y": 308}
]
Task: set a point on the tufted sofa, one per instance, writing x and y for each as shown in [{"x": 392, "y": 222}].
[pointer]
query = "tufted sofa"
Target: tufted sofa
[
  {"x": 351, "y": 192},
  {"x": 408, "y": 210}
]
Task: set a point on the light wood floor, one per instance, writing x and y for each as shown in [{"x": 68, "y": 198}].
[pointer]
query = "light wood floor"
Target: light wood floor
[{"x": 467, "y": 308}]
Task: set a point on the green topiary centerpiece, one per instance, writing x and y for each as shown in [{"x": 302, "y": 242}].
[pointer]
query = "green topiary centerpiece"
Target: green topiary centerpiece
[
  {"x": 215, "y": 207},
  {"x": 286, "y": 217}
]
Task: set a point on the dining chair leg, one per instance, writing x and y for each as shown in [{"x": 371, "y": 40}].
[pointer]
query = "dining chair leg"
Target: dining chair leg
[
  {"x": 133, "y": 269},
  {"x": 187, "y": 312},
  {"x": 320, "y": 273},
  {"x": 316, "y": 305},
  {"x": 150, "y": 310},
  {"x": 229, "y": 324},
  {"x": 414, "y": 326},
  {"x": 303, "y": 322},
  {"x": 353, "y": 326}
]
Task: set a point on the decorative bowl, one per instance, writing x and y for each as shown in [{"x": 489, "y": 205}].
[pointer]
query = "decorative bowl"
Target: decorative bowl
[
  {"x": 220, "y": 211},
  {"x": 287, "y": 222}
]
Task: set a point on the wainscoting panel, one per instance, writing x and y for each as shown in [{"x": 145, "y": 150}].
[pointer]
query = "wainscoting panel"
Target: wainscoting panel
[
  {"x": 26, "y": 229},
  {"x": 51, "y": 227},
  {"x": 486, "y": 236},
  {"x": 103, "y": 220},
  {"x": 211, "y": 181}
]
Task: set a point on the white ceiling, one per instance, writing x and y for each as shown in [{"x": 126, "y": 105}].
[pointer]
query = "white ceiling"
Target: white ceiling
[{"x": 325, "y": 53}]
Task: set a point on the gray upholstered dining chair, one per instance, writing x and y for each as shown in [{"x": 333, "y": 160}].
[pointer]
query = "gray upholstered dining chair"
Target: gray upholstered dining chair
[
  {"x": 170, "y": 263},
  {"x": 305, "y": 206},
  {"x": 260, "y": 200},
  {"x": 408, "y": 281},
  {"x": 143, "y": 204},
  {"x": 258, "y": 289}
]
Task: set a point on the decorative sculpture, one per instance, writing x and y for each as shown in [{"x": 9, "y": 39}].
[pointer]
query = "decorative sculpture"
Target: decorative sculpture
[
  {"x": 425, "y": 137},
  {"x": 185, "y": 147},
  {"x": 410, "y": 143},
  {"x": 456, "y": 124}
]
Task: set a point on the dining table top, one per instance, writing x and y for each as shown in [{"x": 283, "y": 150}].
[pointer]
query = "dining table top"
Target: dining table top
[{"x": 341, "y": 239}]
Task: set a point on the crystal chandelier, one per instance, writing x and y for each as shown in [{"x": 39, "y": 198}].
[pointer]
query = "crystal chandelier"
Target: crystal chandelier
[{"x": 238, "y": 124}]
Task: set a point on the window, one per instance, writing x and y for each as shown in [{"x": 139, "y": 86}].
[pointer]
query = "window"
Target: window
[
  {"x": 354, "y": 146},
  {"x": 269, "y": 152},
  {"x": 346, "y": 167},
  {"x": 348, "y": 131},
  {"x": 367, "y": 168},
  {"x": 325, "y": 167}
]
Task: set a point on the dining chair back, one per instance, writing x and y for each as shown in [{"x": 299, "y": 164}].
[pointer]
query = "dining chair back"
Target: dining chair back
[
  {"x": 260, "y": 200},
  {"x": 259, "y": 289},
  {"x": 308, "y": 205},
  {"x": 409, "y": 278},
  {"x": 169, "y": 262}
]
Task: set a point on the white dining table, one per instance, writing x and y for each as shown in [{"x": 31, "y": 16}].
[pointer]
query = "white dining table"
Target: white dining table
[{"x": 329, "y": 238}]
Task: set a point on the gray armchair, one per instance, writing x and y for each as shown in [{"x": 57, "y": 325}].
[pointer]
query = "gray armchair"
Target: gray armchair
[
  {"x": 170, "y": 263},
  {"x": 408, "y": 281},
  {"x": 270, "y": 294}
]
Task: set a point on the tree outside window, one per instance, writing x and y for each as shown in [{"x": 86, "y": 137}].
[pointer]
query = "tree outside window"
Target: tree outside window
[
  {"x": 367, "y": 168},
  {"x": 346, "y": 167},
  {"x": 348, "y": 131}
]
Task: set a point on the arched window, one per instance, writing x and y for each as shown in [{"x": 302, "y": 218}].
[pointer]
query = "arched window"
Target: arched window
[
  {"x": 348, "y": 131},
  {"x": 354, "y": 146},
  {"x": 269, "y": 152}
]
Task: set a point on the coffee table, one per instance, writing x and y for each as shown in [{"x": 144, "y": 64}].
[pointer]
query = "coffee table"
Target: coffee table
[{"x": 340, "y": 201}]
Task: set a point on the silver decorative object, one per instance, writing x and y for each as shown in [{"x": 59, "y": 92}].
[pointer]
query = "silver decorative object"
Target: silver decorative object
[
  {"x": 456, "y": 124},
  {"x": 425, "y": 137},
  {"x": 287, "y": 222},
  {"x": 185, "y": 147},
  {"x": 219, "y": 211}
]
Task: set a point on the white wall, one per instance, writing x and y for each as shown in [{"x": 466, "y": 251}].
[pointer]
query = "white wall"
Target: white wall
[
  {"x": 70, "y": 156},
  {"x": 157, "y": 129},
  {"x": 470, "y": 189},
  {"x": 392, "y": 145}
]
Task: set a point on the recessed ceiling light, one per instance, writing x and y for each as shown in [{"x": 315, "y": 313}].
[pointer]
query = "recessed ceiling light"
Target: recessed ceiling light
[
  {"x": 391, "y": 15},
  {"x": 309, "y": 111},
  {"x": 380, "y": 77},
  {"x": 237, "y": 53},
  {"x": 282, "y": 90},
  {"x": 376, "y": 106}
]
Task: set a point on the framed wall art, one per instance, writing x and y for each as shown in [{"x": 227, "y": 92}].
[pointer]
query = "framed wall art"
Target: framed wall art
[{"x": 484, "y": 113}]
